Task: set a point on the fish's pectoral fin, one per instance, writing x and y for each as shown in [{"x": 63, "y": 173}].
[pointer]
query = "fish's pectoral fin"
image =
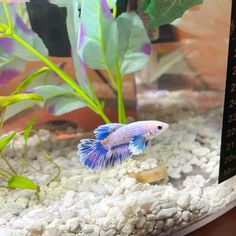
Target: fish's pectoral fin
[
  {"x": 102, "y": 131},
  {"x": 138, "y": 144}
]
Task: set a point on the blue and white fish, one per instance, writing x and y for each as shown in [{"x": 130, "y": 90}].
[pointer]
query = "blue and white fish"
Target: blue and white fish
[{"x": 116, "y": 143}]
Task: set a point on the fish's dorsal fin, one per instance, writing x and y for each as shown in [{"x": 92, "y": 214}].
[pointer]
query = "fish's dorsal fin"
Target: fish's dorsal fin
[
  {"x": 102, "y": 131},
  {"x": 138, "y": 144}
]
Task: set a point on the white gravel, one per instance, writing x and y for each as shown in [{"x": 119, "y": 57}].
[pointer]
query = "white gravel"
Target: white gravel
[{"x": 84, "y": 202}]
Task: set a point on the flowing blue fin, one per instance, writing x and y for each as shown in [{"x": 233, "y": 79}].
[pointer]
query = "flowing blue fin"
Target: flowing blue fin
[
  {"x": 95, "y": 156},
  {"x": 103, "y": 131},
  {"x": 92, "y": 153},
  {"x": 137, "y": 145}
]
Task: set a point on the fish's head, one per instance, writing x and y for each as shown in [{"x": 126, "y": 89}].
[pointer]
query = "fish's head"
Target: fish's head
[{"x": 156, "y": 128}]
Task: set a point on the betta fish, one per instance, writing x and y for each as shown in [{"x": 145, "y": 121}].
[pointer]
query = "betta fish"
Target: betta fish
[{"x": 116, "y": 143}]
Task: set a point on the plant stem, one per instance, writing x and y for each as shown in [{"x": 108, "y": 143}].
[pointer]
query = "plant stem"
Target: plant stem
[
  {"x": 8, "y": 164},
  {"x": 121, "y": 108},
  {"x": 114, "y": 11},
  {"x": 48, "y": 158},
  {"x": 4, "y": 174},
  {"x": 96, "y": 108},
  {"x": 2, "y": 117},
  {"x": 2, "y": 28},
  {"x": 24, "y": 160},
  {"x": 110, "y": 74}
]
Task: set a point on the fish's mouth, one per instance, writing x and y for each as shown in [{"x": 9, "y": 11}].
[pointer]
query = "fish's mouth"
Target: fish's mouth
[{"x": 164, "y": 127}]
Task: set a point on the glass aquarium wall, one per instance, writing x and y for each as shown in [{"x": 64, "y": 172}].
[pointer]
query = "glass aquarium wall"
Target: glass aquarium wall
[
  {"x": 111, "y": 116},
  {"x": 184, "y": 84}
]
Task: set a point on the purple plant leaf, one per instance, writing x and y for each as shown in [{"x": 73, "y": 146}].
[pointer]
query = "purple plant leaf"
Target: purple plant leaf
[
  {"x": 14, "y": 48},
  {"x": 7, "y": 75},
  {"x": 51, "y": 109},
  {"x": 146, "y": 48},
  {"x": 99, "y": 48},
  {"x": 22, "y": 25},
  {"x": 81, "y": 39},
  {"x": 7, "y": 44},
  {"x": 105, "y": 9},
  {"x": 81, "y": 36}
]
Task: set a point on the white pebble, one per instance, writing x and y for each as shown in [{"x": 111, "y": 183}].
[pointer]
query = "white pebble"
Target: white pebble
[
  {"x": 33, "y": 226},
  {"x": 173, "y": 174},
  {"x": 74, "y": 225},
  {"x": 141, "y": 222},
  {"x": 186, "y": 216},
  {"x": 121, "y": 222},
  {"x": 114, "y": 212},
  {"x": 87, "y": 229},
  {"x": 166, "y": 213},
  {"x": 145, "y": 200},
  {"x": 127, "y": 210},
  {"x": 127, "y": 183},
  {"x": 51, "y": 231},
  {"x": 184, "y": 200},
  {"x": 187, "y": 168},
  {"x": 127, "y": 229},
  {"x": 151, "y": 217},
  {"x": 202, "y": 151},
  {"x": 169, "y": 223},
  {"x": 159, "y": 224},
  {"x": 91, "y": 179},
  {"x": 98, "y": 188}
]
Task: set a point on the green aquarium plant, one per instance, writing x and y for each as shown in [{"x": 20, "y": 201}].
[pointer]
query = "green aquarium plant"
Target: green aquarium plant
[
  {"x": 12, "y": 175},
  {"x": 99, "y": 38}
]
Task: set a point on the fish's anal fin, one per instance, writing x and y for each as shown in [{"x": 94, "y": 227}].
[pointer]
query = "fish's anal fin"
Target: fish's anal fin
[
  {"x": 137, "y": 145},
  {"x": 102, "y": 131}
]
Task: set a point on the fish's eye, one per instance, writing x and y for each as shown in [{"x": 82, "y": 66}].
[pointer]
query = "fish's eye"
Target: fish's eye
[{"x": 159, "y": 127}]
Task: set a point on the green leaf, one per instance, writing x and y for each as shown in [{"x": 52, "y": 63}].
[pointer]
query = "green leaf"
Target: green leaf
[
  {"x": 24, "y": 32},
  {"x": 98, "y": 35},
  {"x": 21, "y": 182},
  {"x": 60, "y": 105},
  {"x": 28, "y": 128},
  {"x": 18, "y": 107},
  {"x": 9, "y": 100},
  {"x": 10, "y": 67},
  {"x": 49, "y": 91},
  {"x": 144, "y": 4},
  {"x": 4, "y": 140},
  {"x": 134, "y": 44},
  {"x": 30, "y": 79},
  {"x": 164, "y": 12},
  {"x": 73, "y": 23}
]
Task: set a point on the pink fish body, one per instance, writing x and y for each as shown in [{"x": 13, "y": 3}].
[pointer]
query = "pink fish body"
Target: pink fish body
[{"x": 116, "y": 143}]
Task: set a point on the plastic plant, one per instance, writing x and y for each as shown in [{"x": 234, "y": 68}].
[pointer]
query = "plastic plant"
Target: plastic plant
[
  {"x": 98, "y": 38},
  {"x": 164, "y": 12}
]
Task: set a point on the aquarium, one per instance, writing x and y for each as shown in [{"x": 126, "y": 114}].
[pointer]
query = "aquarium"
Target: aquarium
[{"x": 117, "y": 117}]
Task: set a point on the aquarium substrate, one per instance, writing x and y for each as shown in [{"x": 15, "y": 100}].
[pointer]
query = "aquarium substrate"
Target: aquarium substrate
[{"x": 110, "y": 202}]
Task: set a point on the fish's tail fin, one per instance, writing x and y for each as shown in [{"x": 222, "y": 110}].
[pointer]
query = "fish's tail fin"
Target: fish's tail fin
[{"x": 92, "y": 153}]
